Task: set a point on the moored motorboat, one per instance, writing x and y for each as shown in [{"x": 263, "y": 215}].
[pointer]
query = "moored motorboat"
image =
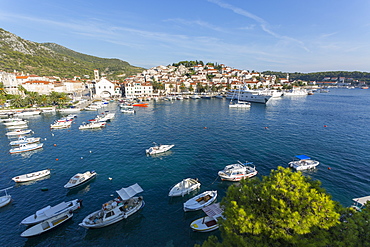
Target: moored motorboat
[
  {"x": 79, "y": 179},
  {"x": 127, "y": 110},
  {"x": 15, "y": 122},
  {"x": 61, "y": 125},
  {"x": 31, "y": 176},
  {"x": 92, "y": 125},
  {"x": 14, "y": 127},
  {"x": 209, "y": 222},
  {"x": 47, "y": 224},
  {"x": 238, "y": 171},
  {"x": 24, "y": 140},
  {"x": 303, "y": 162},
  {"x": 117, "y": 209},
  {"x": 6, "y": 199},
  {"x": 200, "y": 201},
  {"x": 26, "y": 148},
  {"x": 49, "y": 212},
  {"x": 360, "y": 202},
  {"x": 18, "y": 132},
  {"x": 141, "y": 104},
  {"x": 184, "y": 187},
  {"x": 158, "y": 149}
]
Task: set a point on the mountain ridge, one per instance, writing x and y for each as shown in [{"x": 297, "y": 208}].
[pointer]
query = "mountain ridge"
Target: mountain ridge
[{"x": 46, "y": 59}]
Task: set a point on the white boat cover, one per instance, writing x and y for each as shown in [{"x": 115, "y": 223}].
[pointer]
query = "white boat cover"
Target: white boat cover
[
  {"x": 127, "y": 193},
  {"x": 213, "y": 210},
  {"x": 362, "y": 200}
]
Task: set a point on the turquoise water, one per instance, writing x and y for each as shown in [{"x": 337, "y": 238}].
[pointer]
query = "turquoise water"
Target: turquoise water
[{"x": 207, "y": 136}]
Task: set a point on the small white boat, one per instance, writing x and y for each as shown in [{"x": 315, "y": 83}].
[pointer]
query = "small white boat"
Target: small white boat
[
  {"x": 194, "y": 96},
  {"x": 47, "y": 225},
  {"x": 158, "y": 149},
  {"x": 28, "y": 113},
  {"x": 126, "y": 106},
  {"x": 360, "y": 202},
  {"x": 91, "y": 125},
  {"x": 18, "y": 132},
  {"x": 15, "y": 122},
  {"x": 24, "y": 140},
  {"x": 79, "y": 179},
  {"x": 49, "y": 212},
  {"x": 31, "y": 176},
  {"x": 238, "y": 171},
  {"x": 61, "y": 125},
  {"x": 200, "y": 201},
  {"x": 26, "y": 148},
  {"x": 303, "y": 163},
  {"x": 117, "y": 209},
  {"x": 209, "y": 222},
  {"x": 5, "y": 200},
  {"x": 14, "y": 127},
  {"x": 127, "y": 110},
  {"x": 64, "y": 110},
  {"x": 184, "y": 187},
  {"x": 240, "y": 104}
]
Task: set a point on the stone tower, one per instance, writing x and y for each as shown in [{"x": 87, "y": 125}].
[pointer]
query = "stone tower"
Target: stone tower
[{"x": 96, "y": 75}]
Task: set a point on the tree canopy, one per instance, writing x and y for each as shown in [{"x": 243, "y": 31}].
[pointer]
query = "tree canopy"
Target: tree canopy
[{"x": 279, "y": 210}]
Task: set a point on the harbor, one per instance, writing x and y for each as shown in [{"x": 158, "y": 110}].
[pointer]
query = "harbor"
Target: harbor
[{"x": 207, "y": 136}]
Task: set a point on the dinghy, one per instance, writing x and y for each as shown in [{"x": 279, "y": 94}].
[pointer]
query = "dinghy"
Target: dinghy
[
  {"x": 79, "y": 179},
  {"x": 209, "y": 222},
  {"x": 5, "y": 200},
  {"x": 49, "y": 212},
  {"x": 184, "y": 187},
  {"x": 117, "y": 209},
  {"x": 200, "y": 201},
  {"x": 47, "y": 225},
  {"x": 18, "y": 132},
  {"x": 31, "y": 176}
]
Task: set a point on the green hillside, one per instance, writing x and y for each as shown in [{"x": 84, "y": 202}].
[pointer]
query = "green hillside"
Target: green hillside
[{"x": 47, "y": 59}]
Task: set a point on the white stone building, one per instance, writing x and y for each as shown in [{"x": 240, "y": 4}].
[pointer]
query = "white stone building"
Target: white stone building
[
  {"x": 134, "y": 90},
  {"x": 104, "y": 88}
]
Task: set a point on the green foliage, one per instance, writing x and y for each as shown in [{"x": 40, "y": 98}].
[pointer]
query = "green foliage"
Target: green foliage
[
  {"x": 52, "y": 59},
  {"x": 280, "y": 210},
  {"x": 319, "y": 76}
]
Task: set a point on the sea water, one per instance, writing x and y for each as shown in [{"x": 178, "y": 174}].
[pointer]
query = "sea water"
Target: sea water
[{"x": 332, "y": 128}]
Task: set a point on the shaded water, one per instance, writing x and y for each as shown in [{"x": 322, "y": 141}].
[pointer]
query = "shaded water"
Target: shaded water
[{"x": 207, "y": 136}]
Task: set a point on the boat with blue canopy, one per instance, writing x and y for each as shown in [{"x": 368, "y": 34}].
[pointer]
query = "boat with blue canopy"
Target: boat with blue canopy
[{"x": 303, "y": 162}]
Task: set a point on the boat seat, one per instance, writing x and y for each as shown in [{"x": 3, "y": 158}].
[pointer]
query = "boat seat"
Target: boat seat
[
  {"x": 200, "y": 199},
  {"x": 206, "y": 198}
]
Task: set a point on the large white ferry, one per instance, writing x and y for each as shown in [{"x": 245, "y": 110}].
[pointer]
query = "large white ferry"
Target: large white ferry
[{"x": 248, "y": 95}]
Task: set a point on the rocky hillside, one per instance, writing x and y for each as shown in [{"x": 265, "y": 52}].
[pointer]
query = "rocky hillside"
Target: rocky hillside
[{"x": 53, "y": 59}]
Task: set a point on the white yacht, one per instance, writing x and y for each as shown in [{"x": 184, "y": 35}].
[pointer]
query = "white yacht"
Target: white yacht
[
  {"x": 79, "y": 179},
  {"x": 245, "y": 94},
  {"x": 238, "y": 171},
  {"x": 296, "y": 92}
]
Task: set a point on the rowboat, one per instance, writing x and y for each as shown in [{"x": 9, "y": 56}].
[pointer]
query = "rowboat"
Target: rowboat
[
  {"x": 209, "y": 222},
  {"x": 184, "y": 187},
  {"x": 49, "y": 212},
  {"x": 47, "y": 225},
  {"x": 26, "y": 148},
  {"x": 200, "y": 201},
  {"x": 31, "y": 176},
  {"x": 5, "y": 200}
]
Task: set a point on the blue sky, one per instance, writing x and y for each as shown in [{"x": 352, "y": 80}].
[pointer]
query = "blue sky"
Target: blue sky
[{"x": 287, "y": 35}]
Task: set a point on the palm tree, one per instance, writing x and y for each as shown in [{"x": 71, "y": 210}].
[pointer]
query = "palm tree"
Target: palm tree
[{"x": 18, "y": 102}]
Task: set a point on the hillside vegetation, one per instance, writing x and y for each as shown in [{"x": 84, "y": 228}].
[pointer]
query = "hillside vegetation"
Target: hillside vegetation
[{"x": 52, "y": 59}]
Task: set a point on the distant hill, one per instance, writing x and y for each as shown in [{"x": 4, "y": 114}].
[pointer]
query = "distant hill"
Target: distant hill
[{"x": 47, "y": 59}]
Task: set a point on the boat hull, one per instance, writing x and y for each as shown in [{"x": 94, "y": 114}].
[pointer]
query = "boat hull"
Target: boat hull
[
  {"x": 118, "y": 218},
  {"x": 5, "y": 200},
  {"x": 31, "y": 176},
  {"x": 205, "y": 224},
  {"x": 200, "y": 201},
  {"x": 46, "y": 225},
  {"x": 72, "y": 186},
  {"x": 21, "y": 150}
]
